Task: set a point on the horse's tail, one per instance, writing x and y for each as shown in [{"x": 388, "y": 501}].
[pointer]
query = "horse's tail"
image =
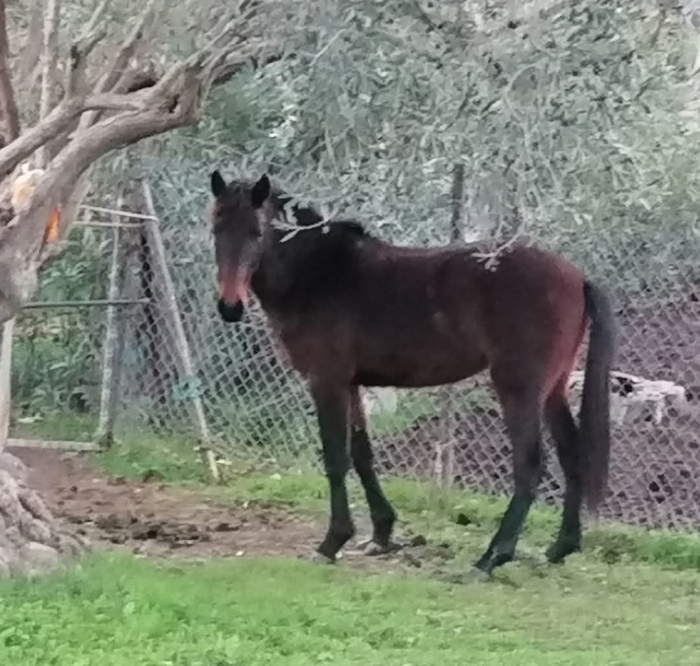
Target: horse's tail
[{"x": 594, "y": 421}]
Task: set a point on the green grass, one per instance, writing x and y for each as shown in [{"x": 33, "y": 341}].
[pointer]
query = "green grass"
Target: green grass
[
  {"x": 441, "y": 514},
  {"x": 71, "y": 427},
  {"x": 632, "y": 598},
  {"x": 120, "y": 611}
]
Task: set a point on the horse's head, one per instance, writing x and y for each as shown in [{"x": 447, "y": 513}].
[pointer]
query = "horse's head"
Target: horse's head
[{"x": 239, "y": 217}]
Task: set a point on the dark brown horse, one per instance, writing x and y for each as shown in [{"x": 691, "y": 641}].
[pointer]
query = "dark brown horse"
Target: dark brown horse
[{"x": 351, "y": 310}]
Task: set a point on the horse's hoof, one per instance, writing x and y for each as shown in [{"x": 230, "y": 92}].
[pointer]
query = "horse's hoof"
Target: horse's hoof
[
  {"x": 559, "y": 551},
  {"x": 319, "y": 558},
  {"x": 477, "y": 575},
  {"x": 372, "y": 548}
]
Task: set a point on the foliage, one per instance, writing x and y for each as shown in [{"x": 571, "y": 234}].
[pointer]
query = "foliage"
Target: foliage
[
  {"x": 576, "y": 122},
  {"x": 57, "y": 356},
  {"x": 572, "y": 118}
]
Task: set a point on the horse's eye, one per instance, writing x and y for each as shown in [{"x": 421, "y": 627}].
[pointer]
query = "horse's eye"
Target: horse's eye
[{"x": 254, "y": 233}]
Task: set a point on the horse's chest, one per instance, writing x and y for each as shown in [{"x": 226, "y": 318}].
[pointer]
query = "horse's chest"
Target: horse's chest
[{"x": 293, "y": 347}]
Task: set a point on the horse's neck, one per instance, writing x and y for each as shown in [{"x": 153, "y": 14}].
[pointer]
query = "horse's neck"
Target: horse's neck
[{"x": 275, "y": 272}]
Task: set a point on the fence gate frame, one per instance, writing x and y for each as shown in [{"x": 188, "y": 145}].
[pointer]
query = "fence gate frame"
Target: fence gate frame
[{"x": 121, "y": 221}]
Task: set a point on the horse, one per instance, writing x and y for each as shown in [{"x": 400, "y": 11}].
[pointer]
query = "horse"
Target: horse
[{"x": 351, "y": 311}]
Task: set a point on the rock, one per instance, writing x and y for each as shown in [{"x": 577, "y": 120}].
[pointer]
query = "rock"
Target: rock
[
  {"x": 9, "y": 501},
  {"x": 37, "y": 556},
  {"x": 33, "y": 503}
]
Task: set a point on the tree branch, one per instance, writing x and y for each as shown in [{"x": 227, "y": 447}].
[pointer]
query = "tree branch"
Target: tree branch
[
  {"x": 118, "y": 66},
  {"x": 162, "y": 104},
  {"x": 49, "y": 59},
  {"x": 57, "y": 121},
  {"x": 76, "y": 79},
  {"x": 31, "y": 50},
  {"x": 117, "y": 70},
  {"x": 235, "y": 63},
  {"x": 8, "y": 104},
  {"x": 81, "y": 48}
]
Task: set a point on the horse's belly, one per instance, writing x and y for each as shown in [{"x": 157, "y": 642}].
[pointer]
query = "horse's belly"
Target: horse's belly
[{"x": 415, "y": 367}]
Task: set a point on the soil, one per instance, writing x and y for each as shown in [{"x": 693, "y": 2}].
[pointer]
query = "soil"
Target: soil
[
  {"x": 155, "y": 520},
  {"x": 152, "y": 519},
  {"x": 654, "y": 469}
]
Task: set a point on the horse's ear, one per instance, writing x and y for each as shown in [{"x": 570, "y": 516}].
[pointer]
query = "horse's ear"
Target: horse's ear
[
  {"x": 218, "y": 184},
  {"x": 260, "y": 191}
]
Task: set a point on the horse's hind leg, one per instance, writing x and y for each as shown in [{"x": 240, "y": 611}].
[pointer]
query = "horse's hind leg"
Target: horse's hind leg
[
  {"x": 380, "y": 510},
  {"x": 332, "y": 409},
  {"x": 566, "y": 437},
  {"x": 521, "y": 411}
]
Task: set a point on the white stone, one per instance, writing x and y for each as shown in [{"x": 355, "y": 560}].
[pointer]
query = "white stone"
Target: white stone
[
  {"x": 38, "y": 557},
  {"x": 380, "y": 400}
]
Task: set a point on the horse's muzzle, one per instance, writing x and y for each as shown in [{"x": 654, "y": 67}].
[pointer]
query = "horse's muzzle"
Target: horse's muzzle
[{"x": 231, "y": 313}]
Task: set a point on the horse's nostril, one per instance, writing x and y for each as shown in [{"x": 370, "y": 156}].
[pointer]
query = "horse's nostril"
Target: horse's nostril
[{"x": 230, "y": 313}]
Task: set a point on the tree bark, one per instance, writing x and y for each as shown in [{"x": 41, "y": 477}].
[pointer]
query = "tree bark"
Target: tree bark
[
  {"x": 8, "y": 104},
  {"x": 31, "y": 540}
]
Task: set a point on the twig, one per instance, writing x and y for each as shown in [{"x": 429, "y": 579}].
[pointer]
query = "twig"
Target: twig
[
  {"x": 81, "y": 48},
  {"x": 233, "y": 64},
  {"x": 119, "y": 213},
  {"x": 457, "y": 195}
]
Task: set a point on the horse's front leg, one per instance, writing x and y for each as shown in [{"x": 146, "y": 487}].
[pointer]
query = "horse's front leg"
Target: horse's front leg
[
  {"x": 380, "y": 509},
  {"x": 332, "y": 408}
]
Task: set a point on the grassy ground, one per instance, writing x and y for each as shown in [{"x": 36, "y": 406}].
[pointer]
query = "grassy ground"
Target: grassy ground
[
  {"x": 120, "y": 611},
  {"x": 631, "y": 599}
]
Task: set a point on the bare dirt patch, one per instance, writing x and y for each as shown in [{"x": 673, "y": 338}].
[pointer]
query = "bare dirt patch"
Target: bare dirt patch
[{"x": 153, "y": 519}]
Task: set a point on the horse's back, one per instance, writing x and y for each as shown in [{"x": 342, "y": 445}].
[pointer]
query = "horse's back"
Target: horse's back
[
  {"x": 525, "y": 312},
  {"x": 426, "y": 316}
]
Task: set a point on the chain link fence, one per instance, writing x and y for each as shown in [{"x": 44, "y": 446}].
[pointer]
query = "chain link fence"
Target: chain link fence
[
  {"x": 256, "y": 410},
  {"x": 377, "y": 128}
]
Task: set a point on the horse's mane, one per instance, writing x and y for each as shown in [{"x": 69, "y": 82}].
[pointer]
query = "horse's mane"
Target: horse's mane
[
  {"x": 307, "y": 216},
  {"x": 320, "y": 260}
]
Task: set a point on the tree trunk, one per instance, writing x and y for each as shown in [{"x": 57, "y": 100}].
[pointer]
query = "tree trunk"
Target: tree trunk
[{"x": 31, "y": 541}]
